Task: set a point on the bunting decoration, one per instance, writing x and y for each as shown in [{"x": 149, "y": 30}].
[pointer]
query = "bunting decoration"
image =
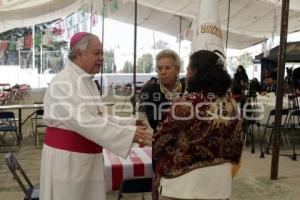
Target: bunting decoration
[
  {"x": 38, "y": 39},
  {"x": 20, "y": 43},
  {"x": 47, "y": 37},
  {"x": 59, "y": 28},
  {"x": 28, "y": 41},
  {"x": 4, "y": 45},
  {"x": 110, "y": 6},
  {"x": 71, "y": 21},
  {"x": 12, "y": 46},
  {"x": 83, "y": 13},
  {"x": 94, "y": 19}
]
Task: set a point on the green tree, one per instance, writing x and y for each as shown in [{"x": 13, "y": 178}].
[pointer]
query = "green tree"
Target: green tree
[
  {"x": 128, "y": 67},
  {"x": 109, "y": 65},
  {"x": 145, "y": 64}
]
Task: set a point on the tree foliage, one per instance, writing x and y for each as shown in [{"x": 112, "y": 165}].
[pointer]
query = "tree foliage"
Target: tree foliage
[
  {"x": 109, "y": 65},
  {"x": 128, "y": 67},
  {"x": 145, "y": 64}
]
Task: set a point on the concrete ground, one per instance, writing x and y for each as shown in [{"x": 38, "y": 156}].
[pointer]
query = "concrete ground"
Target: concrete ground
[{"x": 252, "y": 182}]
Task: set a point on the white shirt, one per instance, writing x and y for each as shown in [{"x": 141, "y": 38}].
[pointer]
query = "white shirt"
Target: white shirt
[
  {"x": 212, "y": 182},
  {"x": 72, "y": 102}
]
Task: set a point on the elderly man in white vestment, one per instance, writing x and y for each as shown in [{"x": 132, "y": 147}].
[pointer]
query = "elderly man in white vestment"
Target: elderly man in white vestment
[{"x": 78, "y": 127}]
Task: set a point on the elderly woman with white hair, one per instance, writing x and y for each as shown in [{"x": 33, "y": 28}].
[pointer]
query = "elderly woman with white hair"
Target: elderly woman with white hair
[
  {"x": 158, "y": 93},
  {"x": 78, "y": 128}
]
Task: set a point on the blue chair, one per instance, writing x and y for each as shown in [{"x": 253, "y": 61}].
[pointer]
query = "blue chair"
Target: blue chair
[
  {"x": 31, "y": 193},
  {"x": 8, "y": 125}
]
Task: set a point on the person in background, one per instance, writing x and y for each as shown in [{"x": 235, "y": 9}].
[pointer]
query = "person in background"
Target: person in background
[
  {"x": 78, "y": 128},
  {"x": 200, "y": 137},
  {"x": 270, "y": 84},
  {"x": 158, "y": 93},
  {"x": 239, "y": 85}
]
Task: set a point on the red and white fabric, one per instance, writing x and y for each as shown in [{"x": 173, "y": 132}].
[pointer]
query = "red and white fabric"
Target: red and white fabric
[{"x": 138, "y": 163}]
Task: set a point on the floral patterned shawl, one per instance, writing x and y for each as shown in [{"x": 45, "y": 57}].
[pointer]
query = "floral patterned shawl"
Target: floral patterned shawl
[{"x": 198, "y": 131}]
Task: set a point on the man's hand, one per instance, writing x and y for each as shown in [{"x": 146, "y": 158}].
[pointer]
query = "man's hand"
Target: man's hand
[
  {"x": 141, "y": 124},
  {"x": 142, "y": 137}
]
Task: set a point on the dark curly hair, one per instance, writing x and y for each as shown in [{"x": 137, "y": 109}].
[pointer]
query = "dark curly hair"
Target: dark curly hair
[{"x": 210, "y": 76}]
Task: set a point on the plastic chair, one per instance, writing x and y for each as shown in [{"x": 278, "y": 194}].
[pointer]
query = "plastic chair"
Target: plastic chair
[
  {"x": 8, "y": 125},
  {"x": 135, "y": 185},
  {"x": 19, "y": 175}
]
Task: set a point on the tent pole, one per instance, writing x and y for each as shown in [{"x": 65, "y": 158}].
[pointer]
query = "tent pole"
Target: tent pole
[
  {"x": 91, "y": 17},
  {"x": 228, "y": 20},
  {"x": 33, "y": 47},
  {"x": 101, "y": 76},
  {"x": 134, "y": 57},
  {"x": 180, "y": 25},
  {"x": 279, "y": 89}
]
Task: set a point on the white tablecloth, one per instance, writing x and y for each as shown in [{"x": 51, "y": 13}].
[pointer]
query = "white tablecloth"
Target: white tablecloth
[
  {"x": 138, "y": 163},
  {"x": 267, "y": 103}
]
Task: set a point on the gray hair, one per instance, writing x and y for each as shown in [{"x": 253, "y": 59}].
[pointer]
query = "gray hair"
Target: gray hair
[
  {"x": 168, "y": 53},
  {"x": 81, "y": 46}
]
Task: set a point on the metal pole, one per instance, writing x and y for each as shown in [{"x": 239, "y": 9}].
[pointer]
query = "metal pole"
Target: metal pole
[
  {"x": 228, "y": 20},
  {"x": 33, "y": 47},
  {"x": 180, "y": 25},
  {"x": 91, "y": 17},
  {"x": 134, "y": 56},
  {"x": 101, "y": 76},
  {"x": 279, "y": 89}
]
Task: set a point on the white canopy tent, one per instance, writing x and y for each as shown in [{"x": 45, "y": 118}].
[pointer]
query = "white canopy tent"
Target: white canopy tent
[{"x": 251, "y": 21}]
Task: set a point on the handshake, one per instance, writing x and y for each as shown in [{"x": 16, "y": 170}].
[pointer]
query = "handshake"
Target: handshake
[{"x": 142, "y": 136}]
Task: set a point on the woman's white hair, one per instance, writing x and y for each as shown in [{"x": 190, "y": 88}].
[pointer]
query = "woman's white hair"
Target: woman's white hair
[
  {"x": 81, "y": 46},
  {"x": 168, "y": 53}
]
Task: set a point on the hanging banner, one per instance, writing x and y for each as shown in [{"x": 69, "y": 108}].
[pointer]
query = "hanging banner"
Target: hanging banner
[{"x": 207, "y": 29}]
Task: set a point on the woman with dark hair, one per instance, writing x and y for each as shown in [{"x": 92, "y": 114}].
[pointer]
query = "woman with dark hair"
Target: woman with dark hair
[
  {"x": 200, "y": 137},
  {"x": 239, "y": 85}
]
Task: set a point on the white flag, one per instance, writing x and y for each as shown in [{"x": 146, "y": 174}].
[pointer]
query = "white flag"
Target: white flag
[{"x": 207, "y": 29}]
